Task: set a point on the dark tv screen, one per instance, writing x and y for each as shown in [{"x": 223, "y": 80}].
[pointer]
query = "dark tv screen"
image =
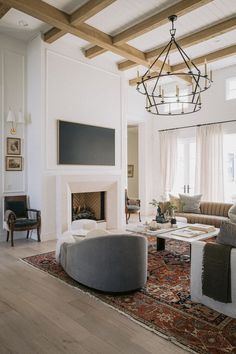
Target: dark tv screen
[{"x": 81, "y": 144}]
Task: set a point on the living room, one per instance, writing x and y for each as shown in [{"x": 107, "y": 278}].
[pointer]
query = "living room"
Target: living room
[{"x": 69, "y": 61}]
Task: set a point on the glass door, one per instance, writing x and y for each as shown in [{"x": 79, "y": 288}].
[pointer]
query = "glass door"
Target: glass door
[{"x": 185, "y": 177}]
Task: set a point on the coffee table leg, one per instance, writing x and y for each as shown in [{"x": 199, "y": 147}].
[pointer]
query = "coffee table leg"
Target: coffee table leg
[{"x": 160, "y": 244}]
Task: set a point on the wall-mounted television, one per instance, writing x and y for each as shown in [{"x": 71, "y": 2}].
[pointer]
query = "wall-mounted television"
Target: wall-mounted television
[{"x": 82, "y": 144}]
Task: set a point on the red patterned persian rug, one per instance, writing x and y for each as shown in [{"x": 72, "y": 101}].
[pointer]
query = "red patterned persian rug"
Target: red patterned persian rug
[{"x": 164, "y": 305}]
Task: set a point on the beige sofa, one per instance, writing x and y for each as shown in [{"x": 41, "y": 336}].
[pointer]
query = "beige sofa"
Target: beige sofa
[{"x": 211, "y": 213}]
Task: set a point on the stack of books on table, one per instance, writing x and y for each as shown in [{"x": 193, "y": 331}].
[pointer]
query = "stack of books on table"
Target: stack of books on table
[
  {"x": 203, "y": 228},
  {"x": 194, "y": 230}
]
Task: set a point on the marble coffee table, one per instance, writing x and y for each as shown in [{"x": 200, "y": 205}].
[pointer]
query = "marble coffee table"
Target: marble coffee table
[{"x": 167, "y": 233}]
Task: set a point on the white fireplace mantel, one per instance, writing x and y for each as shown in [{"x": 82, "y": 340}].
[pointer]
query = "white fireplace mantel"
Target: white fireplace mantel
[{"x": 68, "y": 184}]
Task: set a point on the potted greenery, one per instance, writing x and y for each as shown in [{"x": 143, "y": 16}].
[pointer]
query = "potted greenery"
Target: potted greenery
[{"x": 160, "y": 218}]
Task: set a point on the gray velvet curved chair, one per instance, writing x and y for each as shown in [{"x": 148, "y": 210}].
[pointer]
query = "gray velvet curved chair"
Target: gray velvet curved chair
[{"x": 111, "y": 263}]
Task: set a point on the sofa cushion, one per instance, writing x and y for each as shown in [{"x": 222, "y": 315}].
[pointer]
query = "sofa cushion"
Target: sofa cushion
[
  {"x": 133, "y": 207},
  {"x": 232, "y": 214},
  {"x": 227, "y": 234},
  {"x": 203, "y": 219},
  {"x": 176, "y": 202},
  {"x": 215, "y": 208},
  {"x": 25, "y": 223},
  {"x": 18, "y": 207},
  {"x": 191, "y": 204}
]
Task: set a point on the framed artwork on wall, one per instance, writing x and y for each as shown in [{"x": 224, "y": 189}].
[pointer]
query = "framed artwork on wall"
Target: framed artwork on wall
[
  {"x": 130, "y": 171},
  {"x": 13, "y": 163},
  {"x": 13, "y": 146}
]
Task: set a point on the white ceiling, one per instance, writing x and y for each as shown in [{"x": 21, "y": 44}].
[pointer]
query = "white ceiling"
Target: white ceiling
[{"x": 123, "y": 13}]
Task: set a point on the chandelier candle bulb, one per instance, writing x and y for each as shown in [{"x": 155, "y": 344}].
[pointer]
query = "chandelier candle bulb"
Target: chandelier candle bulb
[
  {"x": 211, "y": 75},
  {"x": 160, "y": 91},
  {"x": 205, "y": 65},
  {"x": 169, "y": 108},
  {"x": 177, "y": 90},
  {"x": 199, "y": 101},
  {"x": 182, "y": 108},
  {"x": 190, "y": 65}
]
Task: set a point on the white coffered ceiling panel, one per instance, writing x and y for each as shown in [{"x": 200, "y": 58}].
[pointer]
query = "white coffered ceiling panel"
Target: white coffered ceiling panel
[
  {"x": 193, "y": 21},
  {"x": 124, "y": 13},
  {"x": 211, "y": 45}
]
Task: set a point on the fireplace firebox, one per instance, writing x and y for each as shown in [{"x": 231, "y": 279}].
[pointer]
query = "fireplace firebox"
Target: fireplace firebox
[{"x": 90, "y": 205}]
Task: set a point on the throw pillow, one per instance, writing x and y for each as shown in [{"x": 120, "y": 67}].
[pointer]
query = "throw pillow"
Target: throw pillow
[
  {"x": 191, "y": 204},
  {"x": 227, "y": 234},
  {"x": 176, "y": 202},
  {"x": 232, "y": 213}
]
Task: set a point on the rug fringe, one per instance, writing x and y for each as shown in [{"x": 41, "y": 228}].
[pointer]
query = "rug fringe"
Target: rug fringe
[{"x": 167, "y": 338}]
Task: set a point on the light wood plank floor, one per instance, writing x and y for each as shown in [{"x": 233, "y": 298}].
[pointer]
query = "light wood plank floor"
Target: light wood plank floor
[{"x": 40, "y": 314}]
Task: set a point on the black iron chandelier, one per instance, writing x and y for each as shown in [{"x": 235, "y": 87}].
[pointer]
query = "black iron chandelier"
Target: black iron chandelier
[{"x": 173, "y": 93}]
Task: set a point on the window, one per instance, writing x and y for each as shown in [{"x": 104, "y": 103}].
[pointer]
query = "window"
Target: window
[{"x": 231, "y": 88}]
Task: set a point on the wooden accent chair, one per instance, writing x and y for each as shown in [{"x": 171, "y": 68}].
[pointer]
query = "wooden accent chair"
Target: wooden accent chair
[
  {"x": 18, "y": 217},
  {"x": 132, "y": 206}
]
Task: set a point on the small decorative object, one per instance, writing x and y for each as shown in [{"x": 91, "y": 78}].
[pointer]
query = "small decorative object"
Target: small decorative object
[
  {"x": 160, "y": 217},
  {"x": 13, "y": 163},
  {"x": 173, "y": 222},
  {"x": 130, "y": 171},
  {"x": 13, "y": 146},
  {"x": 153, "y": 226}
]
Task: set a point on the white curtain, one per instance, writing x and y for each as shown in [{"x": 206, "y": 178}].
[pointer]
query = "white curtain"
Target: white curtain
[
  {"x": 168, "y": 160},
  {"x": 209, "y": 176}
]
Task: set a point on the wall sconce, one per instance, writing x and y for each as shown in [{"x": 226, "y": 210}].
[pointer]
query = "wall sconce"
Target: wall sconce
[{"x": 12, "y": 119}]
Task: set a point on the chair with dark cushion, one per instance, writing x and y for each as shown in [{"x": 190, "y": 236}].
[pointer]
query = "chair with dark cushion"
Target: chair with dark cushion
[
  {"x": 18, "y": 217},
  {"x": 132, "y": 206}
]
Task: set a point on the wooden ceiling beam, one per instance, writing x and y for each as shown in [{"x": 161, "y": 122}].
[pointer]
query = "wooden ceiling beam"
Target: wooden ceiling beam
[
  {"x": 181, "y": 8},
  {"x": 210, "y": 32},
  {"x": 94, "y": 51},
  {"x": 211, "y": 57},
  {"x": 4, "y": 9},
  {"x": 89, "y": 9},
  {"x": 59, "y": 19}
]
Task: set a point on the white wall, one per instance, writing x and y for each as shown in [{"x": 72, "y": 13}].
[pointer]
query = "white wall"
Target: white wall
[
  {"x": 68, "y": 87},
  {"x": 12, "y": 91}
]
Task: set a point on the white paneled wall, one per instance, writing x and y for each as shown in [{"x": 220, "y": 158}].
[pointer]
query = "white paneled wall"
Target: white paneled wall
[
  {"x": 12, "y": 91},
  {"x": 66, "y": 86}
]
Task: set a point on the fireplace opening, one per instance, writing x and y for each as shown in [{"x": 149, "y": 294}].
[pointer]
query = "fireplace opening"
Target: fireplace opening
[{"x": 89, "y": 205}]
